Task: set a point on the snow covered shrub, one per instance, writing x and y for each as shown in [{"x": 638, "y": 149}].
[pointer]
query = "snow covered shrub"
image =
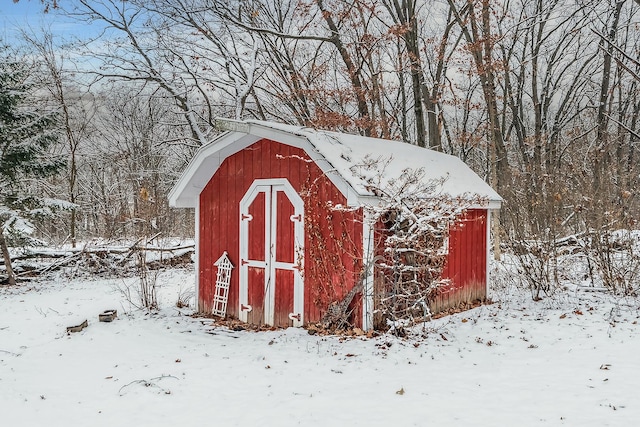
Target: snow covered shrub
[
  {"x": 601, "y": 259},
  {"x": 609, "y": 243},
  {"x": 536, "y": 261},
  {"x": 413, "y": 218},
  {"x": 413, "y": 259}
]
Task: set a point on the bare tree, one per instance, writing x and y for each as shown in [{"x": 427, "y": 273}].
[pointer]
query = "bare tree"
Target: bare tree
[
  {"x": 474, "y": 17},
  {"x": 135, "y": 53},
  {"x": 76, "y": 117}
]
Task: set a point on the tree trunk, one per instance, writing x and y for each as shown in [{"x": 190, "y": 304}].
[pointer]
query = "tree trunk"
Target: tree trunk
[
  {"x": 352, "y": 70},
  {"x": 480, "y": 41},
  {"x": 601, "y": 160},
  {"x": 11, "y": 277}
]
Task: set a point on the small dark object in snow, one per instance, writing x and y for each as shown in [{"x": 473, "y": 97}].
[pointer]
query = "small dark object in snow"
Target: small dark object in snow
[
  {"x": 108, "y": 315},
  {"x": 77, "y": 328},
  {"x": 238, "y": 328}
]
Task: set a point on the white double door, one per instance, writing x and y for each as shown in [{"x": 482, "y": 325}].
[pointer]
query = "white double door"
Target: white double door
[{"x": 271, "y": 254}]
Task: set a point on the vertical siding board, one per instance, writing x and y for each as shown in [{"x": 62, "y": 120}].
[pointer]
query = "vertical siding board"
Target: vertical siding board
[
  {"x": 473, "y": 255},
  {"x": 283, "y": 298},
  {"x": 284, "y": 229},
  {"x": 212, "y": 222},
  {"x": 284, "y": 253},
  {"x": 227, "y": 217},
  {"x": 281, "y": 159},
  {"x": 255, "y": 295},
  {"x": 469, "y": 248},
  {"x": 465, "y": 266},
  {"x": 204, "y": 251},
  {"x": 479, "y": 252},
  {"x": 232, "y": 227}
]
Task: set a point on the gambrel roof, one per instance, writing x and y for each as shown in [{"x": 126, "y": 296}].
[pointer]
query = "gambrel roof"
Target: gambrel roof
[{"x": 342, "y": 157}]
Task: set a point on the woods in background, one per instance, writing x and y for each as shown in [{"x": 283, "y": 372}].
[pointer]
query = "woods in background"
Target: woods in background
[{"x": 539, "y": 97}]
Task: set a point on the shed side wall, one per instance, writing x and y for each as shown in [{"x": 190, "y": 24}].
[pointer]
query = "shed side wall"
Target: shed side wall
[{"x": 466, "y": 264}]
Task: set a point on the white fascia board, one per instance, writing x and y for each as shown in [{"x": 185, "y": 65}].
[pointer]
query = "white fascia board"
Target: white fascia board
[
  {"x": 203, "y": 166},
  {"x": 368, "y": 252},
  {"x": 488, "y": 258},
  {"x": 177, "y": 196},
  {"x": 197, "y": 256},
  {"x": 493, "y": 204},
  {"x": 490, "y": 204}
]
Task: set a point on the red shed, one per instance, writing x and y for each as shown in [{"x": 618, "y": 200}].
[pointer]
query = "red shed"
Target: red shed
[{"x": 266, "y": 193}]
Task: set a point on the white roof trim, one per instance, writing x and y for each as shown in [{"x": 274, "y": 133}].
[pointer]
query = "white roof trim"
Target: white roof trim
[{"x": 204, "y": 164}]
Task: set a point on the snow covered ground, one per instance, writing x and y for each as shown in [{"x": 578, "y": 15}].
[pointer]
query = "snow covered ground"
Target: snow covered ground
[{"x": 573, "y": 359}]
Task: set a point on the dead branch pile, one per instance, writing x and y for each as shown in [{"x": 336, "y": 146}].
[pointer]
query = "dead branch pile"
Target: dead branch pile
[{"x": 103, "y": 260}]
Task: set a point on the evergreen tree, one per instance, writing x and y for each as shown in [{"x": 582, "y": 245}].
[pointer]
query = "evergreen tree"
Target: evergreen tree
[{"x": 27, "y": 132}]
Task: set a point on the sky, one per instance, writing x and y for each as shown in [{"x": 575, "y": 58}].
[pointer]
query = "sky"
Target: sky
[{"x": 28, "y": 14}]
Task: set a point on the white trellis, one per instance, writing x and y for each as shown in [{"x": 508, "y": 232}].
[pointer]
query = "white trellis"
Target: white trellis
[{"x": 223, "y": 279}]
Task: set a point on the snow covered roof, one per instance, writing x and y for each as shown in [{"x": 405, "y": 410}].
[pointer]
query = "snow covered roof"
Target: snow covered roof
[{"x": 342, "y": 157}]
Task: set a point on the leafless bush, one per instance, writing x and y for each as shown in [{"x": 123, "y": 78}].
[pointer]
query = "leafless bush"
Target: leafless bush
[
  {"x": 614, "y": 260},
  {"x": 185, "y": 297},
  {"x": 147, "y": 280},
  {"x": 536, "y": 261},
  {"x": 414, "y": 219},
  {"x": 413, "y": 259},
  {"x": 142, "y": 294}
]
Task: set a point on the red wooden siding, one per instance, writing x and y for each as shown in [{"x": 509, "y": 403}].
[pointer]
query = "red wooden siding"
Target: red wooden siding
[
  {"x": 257, "y": 252},
  {"x": 466, "y": 265},
  {"x": 333, "y": 239}
]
